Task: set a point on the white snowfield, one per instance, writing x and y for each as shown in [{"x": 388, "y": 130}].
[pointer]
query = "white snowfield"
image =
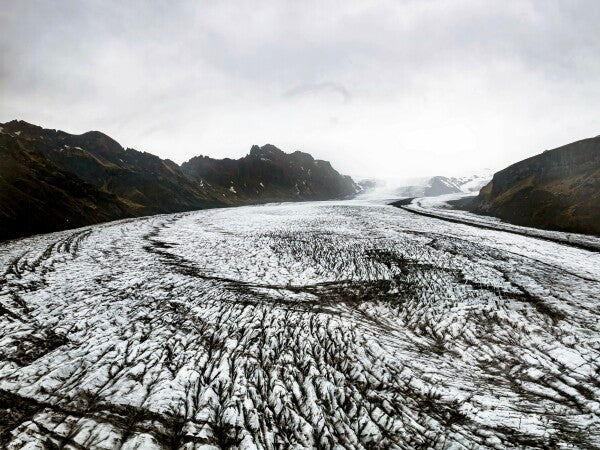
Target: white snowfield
[{"x": 310, "y": 325}]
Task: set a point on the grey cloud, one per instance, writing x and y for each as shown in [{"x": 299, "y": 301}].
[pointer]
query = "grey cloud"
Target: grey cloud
[
  {"x": 491, "y": 81},
  {"x": 319, "y": 89}
]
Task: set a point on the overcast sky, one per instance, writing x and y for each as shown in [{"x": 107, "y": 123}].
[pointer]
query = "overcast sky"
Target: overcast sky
[{"x": 381, "y": 89}]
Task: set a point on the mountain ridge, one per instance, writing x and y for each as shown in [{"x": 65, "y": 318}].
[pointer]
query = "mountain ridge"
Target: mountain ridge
[
  {"x": 247, "y": 177},
  {"x": 558, "y": 189},
  {"x": 123, "y": 182}
]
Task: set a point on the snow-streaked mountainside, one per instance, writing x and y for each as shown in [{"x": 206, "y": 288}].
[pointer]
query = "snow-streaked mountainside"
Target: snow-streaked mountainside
[
  {"x": 342, "y": 324},
  {"x": 425, "y": 187},
  {"x": 440, "y": 185},
  {"x": 473, "y": 183}
]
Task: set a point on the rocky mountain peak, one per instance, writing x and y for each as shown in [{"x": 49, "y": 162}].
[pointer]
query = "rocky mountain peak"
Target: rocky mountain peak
[
  {"x": 24, "y": 129},
  {"x": 98, "y": 141},
  {"x": 267, "y": 150}
]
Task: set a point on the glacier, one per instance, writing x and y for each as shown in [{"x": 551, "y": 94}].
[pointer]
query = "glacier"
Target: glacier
[{"x": 342, "y": 324}]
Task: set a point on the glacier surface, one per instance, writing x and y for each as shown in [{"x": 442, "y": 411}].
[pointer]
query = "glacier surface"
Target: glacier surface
[{"x": 328, "y": 325}]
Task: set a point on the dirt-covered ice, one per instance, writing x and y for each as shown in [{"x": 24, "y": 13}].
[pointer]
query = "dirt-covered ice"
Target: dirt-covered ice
[{"x": 329, "y": 325}]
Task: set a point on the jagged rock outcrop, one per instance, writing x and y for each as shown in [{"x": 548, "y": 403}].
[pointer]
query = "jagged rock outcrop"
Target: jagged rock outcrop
[{"x": 558, "y": 189}]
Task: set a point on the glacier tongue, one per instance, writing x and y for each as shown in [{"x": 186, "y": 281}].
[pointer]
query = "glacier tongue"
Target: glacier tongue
[{"x": 334, "y": 324}]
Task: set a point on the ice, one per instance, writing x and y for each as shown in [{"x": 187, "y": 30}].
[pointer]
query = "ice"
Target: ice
[
  {"x": 347, "y": 324},
  {"x": 439, "y": 207}
]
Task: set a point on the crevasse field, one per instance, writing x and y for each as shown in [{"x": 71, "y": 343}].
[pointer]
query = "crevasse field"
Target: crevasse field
[{"x": 310, "y": 325}]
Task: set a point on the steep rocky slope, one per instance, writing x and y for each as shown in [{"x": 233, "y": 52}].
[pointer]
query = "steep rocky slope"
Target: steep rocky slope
[
  {"x": 148, "y": 184},
  {"x": 37, "y": 196},
  {"x": 52, "y": 180},
  {"x": 558, "y": 189}
]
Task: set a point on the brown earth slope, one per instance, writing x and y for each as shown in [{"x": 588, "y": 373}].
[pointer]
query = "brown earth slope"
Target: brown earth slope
[{"x": 558, "y": 190}]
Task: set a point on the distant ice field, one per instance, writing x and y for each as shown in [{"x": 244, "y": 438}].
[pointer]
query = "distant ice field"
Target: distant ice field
[{"x": 348, "y": 324}]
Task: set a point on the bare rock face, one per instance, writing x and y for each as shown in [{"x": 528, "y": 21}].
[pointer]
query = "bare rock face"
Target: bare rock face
[
  {"x": 52, "y": 180},
  {"x": 558, "y": 189}
]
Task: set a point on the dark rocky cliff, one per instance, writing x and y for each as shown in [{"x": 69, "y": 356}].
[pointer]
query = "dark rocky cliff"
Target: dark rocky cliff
[{"x": 558, "y": 189}]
